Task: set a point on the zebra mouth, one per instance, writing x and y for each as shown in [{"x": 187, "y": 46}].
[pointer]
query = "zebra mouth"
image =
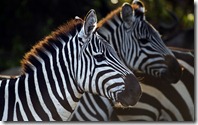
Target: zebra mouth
[{"x": 132, "y": 92}]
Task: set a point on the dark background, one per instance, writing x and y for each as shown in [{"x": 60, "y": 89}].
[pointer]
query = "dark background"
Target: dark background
[{"x": 24, "y": 22}]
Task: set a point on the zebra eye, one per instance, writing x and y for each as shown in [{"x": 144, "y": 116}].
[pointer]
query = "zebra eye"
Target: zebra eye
[
  {"x": 99, "y": 57},
  {"x": 143, "y": 41}
]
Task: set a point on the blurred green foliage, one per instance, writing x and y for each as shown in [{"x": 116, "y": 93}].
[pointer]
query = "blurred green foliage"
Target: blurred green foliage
[{"x": 24, "y": 22}]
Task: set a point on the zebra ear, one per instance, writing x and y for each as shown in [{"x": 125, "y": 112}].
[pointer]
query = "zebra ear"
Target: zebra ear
[
  {"x": 127, "y": 15},
  {"x": 90, "y": 22}
]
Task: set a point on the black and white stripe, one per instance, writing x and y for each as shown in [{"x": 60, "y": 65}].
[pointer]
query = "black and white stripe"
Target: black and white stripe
[
  {"x": 139, "y": 46},
  {"x": 159, "y": 101},
  {"x": 72, "y": 60},
  {"x": 165, "y": 102},
  {"x": 138, "y": 43}
]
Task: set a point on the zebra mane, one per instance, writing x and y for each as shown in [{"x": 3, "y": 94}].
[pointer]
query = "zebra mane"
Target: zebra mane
[
  {"x": 109, "y": 17},
  {"x": 68, "y": 28}
]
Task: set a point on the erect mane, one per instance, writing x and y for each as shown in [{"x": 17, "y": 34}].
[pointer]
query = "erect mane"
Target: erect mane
[
  {"x": 67, "y": 28},
  {"x": 109, "y": 16}
]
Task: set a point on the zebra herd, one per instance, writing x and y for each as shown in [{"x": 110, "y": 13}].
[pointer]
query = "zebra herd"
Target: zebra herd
[{"x": 118, "y": 70}]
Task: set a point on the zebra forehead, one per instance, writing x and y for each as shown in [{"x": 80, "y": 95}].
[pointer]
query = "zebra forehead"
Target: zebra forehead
[{"x": 70, "y": 27}]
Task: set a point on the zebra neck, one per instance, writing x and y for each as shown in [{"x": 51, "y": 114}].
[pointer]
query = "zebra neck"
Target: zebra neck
[
  {"x": 28, "y": 98},
  {"x": 47, "y": 92}
]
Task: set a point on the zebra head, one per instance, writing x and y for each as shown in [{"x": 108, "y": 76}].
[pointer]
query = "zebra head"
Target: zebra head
[
  {"x": 143, "y": 49},
  {"x": 99, "y": 65}
]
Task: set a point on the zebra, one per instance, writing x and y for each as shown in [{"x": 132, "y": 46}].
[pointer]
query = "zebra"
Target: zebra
[
  {"x": 159, "y": 101},
  {"x": 138, "y": 43},
  {"x": 164, "y": 102},
  {"x": 139, "y": 46},
  {"x": 56, "y": 72}
]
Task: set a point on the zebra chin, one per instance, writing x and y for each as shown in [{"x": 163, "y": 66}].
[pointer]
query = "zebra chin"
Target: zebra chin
[
  {"x": 132, "y": 92},
  {"x": 174, "y": 71}
]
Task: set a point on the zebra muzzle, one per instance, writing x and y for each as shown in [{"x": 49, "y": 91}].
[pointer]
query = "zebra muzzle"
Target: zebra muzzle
[
  {"x": 174, "y": 71},
  {"x": 132, "y": 92}
]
